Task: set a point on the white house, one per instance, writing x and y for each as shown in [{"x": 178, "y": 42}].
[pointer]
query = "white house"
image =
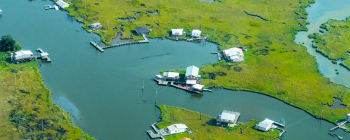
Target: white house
[
  {"x": 171, "y": 75},
  {"x": 234, "y": 54},
  {"x": 196, "y": 33},
  {"x": 176, "y": 128},
  {"x": 264, "y": 125},
  {"x": 347, "y": 117},
  {"x": 177, "y": 32},
  {"x": 62, "y": 4},
  {"x": 227, "y": 118},
  {"x": 192, "y": 75}
]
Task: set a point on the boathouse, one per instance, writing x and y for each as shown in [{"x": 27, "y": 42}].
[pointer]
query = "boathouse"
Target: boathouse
[
  {"x": 177, "y": 32},
  {"x": 176, "y": 128},
  {"x": 197, "y": 87},
  {"x": 62, "y": 4},
  {"x": 196, "y": 33},
  {"x": 227, "y": 118},
  {"x": 234, "y": 55},
  {"x": 171, "y": 76},
  {"x": 264, "y": 125},
  {"x": 95, "y": 26},
  {"x": 192, "y": 76},
  {"x": 142, "y": 30}
]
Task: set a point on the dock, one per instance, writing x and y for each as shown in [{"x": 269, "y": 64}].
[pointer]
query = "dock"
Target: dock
[
  {"x": 219, "y": 56},
  {"x": 47, "y": 58},
  {"x": 157, "y": 135},
  {"x": 93, "y": 43},
  {"x": 120, "y": 44},
  {"x": 187, "y": 88},
  {"x": 339, "y": 125}
]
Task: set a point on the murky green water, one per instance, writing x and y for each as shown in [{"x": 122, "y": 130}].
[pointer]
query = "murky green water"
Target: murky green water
[{"x": 103, "y": 92}]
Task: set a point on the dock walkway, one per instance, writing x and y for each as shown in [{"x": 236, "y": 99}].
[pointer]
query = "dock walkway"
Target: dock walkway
[
  {"x": 121, "y": 44},
  {"x": 339, "y": 125},
  {"x": 157, "y": 133},
  {"x": 93, "y": 43}
]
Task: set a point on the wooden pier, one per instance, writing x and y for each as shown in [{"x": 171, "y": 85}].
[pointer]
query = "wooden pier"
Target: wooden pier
[
  {"x": 338, "y": 125},
  {"x": 93, "y": 43}
]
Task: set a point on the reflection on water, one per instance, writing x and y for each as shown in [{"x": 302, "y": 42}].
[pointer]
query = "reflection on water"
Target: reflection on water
[{"x": 66, "y": 105}]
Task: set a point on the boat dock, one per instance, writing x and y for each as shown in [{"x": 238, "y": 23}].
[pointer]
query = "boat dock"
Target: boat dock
[
  {"x": 93, "y": 43},
  {"x": 219, "y": 56},
  {"x": 339, "y": 125},
  {"x": 157, "y": 135},
  {"x": 120, "y": 44},
  {"x": 46, "y": 57},
  {"x": 187, "y": 88}
]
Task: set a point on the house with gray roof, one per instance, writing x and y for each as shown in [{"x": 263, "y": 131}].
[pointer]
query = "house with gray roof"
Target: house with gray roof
[
  {"x": 227, "y": 118},
  {"x": 142, "y": 30}
]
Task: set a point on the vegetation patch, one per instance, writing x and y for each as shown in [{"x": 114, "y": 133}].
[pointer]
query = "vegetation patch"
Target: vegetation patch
[
  {"x": 334, "y": 44},
  {"x": 26, "y": 111},
  {"x": 205, "y": 128}
]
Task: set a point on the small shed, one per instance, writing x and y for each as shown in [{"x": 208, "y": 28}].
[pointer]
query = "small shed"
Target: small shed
[
  {"x": 197, "y": 87},
  {"x": 142, "y": 30},
  {"x": 177, "y": 32},
  {"x": 62, "y": 4},
  {"x": 176, "y": 128},
  {"x": 171, "y": 75},
  {"x": 347, "y": 117},
  {"x": 96, "y": 25},
  {"x": 196, "y": 33},
  {"x": 264, "y": 125},
  {"x": 44, "y": 54}
]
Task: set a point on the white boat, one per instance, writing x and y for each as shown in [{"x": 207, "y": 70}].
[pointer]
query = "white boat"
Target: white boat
[
  {"x": 56, "y": 7},
  {"x": 0, "y": 12}
]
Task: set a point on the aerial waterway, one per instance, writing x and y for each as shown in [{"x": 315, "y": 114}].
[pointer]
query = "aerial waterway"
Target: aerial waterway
[{"x": 103, "y": 91}]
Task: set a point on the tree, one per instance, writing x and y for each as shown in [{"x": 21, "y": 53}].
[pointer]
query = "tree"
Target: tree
[{"x": 7, "y": 43}]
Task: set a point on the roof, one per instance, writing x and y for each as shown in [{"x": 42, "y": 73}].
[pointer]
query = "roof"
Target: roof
[
  {"x": 233, "y": 51},
  {"x": 171, "y": 74},
  {"x": 197, "y": 86},
  {"x": 191, "y": 82},
  {"x": 196, "y": 32},
  {"x": 61, "y": 3},
  {"x": 180, "y": 126},
  {"x": 142, "y": 29},
  {"x": 177, "y": 31},
  {"x": 228, "y": 115},
  {"x": 0, "y": 10},
  {"x": 159, "y": 76},
  {"x": 185, "y": 139},
  {"x": 44, "y": 54},
  {"x": 24, "y": 52},
  {"x": 95, "y": 24},
  {"x": 265, "y": 123},
  {"x": 192, "y": 70}
]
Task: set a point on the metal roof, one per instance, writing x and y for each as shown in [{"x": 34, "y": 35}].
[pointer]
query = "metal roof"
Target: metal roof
[
  {"x": 228, "y": 115},
  {"x": 24, "y": 52},
  {"x": 233, "y": 51},
  {"x": 44, "y": 54},
  {"x": 177, "y": 31},
  {"x": 180, "y": 126},
  {"x": 192, "y": 70},
  {"x": 196, "y": 33},
  {"x": 266, "y": 123},
  {"x": 62, "y": 3}
]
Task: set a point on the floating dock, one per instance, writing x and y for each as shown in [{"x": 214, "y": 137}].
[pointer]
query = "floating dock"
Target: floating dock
[
  {"x": 120, "y": 44},
  {"x": 47, "y": 58},
  {"x": 93, "y": 43}
]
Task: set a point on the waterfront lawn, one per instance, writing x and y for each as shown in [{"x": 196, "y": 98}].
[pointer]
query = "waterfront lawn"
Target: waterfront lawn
[
  {"x": 206, "y": 127},
  {"x": 335, "y": 42},
  {"x": 26, "y": 111}
]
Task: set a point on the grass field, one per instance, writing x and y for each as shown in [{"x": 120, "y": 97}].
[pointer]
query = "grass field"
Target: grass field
[
  {"x": 335, "y": 42},
  {"x": 206, "y": 127},
  {"x": 26, "y": 111},
  {"x": 274, "y": 64}
]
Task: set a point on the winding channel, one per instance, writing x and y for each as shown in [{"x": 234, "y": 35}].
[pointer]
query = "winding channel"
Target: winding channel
[{"x": 103, "y": 92}]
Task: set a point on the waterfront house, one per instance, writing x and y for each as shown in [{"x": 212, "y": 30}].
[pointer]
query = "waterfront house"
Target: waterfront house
[
  {"x": 95, "y": 26},
  {"x": 177, "y": 32},
  {"x": 171, "y": 76},
  {"x": 176, "y": 128},
  {"x": 227, "y": 118},
  {"x": 234, "y": 55},
  {"x": 347, "y": 117},
  {"x": 62, "y": 4},
  {"x": 142, "y": 30},
  {"x": 264, "y": 125},
  {"x": 196, "y": 33},
  {"x": 192, "y": 76}
]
